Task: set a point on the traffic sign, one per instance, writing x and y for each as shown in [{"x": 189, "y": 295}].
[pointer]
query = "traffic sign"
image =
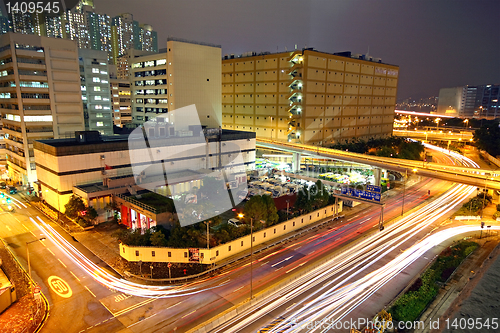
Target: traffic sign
[
  {"x": 169, "y": 265},
  {"x": 37, "y": 289}
]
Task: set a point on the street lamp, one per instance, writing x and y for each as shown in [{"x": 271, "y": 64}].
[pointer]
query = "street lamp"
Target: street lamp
[
  {"x": 251, "y": 254},
  {"x": 404, "y": 191},
  {"x": 28, "y": 253},
  {"x": 287, "y": 204},
  {"x": 437, "y": 122}
]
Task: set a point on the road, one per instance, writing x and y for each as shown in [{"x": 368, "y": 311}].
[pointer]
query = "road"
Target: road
[{"x": 102, "y": 302}]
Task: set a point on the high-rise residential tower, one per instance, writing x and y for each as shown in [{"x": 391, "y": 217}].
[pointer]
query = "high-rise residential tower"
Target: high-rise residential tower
[{"x": 40, "y": 98}]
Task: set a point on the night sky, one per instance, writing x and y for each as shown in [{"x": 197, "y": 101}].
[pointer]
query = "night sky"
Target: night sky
[{"x": 436, "y": 43}]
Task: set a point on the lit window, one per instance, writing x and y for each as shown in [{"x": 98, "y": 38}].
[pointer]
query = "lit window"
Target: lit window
[
  {"x": 99, "y": 115},
  {"x": 98, "y": 107},
  {"x": 97, "y": 88},
  {"x": 96, "y": 79},
  {"x": 104, "y": 72},
  {"x": 161, "y": 62},
  {"x": 100, "y": 124},
  {"x": 95, "y": 70},
  {"x": 97, "y": 98}
]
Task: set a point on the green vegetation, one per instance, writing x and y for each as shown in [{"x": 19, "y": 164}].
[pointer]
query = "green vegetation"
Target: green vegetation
[
  {"x": 409, "y": 306},
  {"x": 474, "y": 205},
  {"x": 488, "y": 137},
  {"x": 313, "y": 198},
  {"x": 260, "y": 209},
  {"x": 162, "y": 203},
  {"x": 386, "y": 147},
  {"x": 76, "y": 209}
]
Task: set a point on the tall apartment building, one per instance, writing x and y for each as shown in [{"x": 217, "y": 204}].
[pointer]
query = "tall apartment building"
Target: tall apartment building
[
  {"x": 481, "y": 101},
  {"x": 309, "y": 96},
  {"x": 184, "y": 73},
  {"x": 40, "y": 96},
  {"x": 90, "y": 30},
  {"x": 96, "y": 96}
]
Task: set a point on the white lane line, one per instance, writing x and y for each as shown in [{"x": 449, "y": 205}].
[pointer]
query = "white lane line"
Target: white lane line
[
  {"x": 281, "y": 261},
  {"x": 264, "y": 263},
  {"x": 171, "y": 306},
  {"x": 141, "y": 320},
  {"x": 238, "y": 288},
  {"x": 295, "y": 267},
  {"x": 8, "y": 227},
  {"x": 62, "y": 263},
  {"x": 51, "y": 252},
  {"x": 188, "y": 314},
  {"x": 25, "y": 227},
  {"x": 89, "y": 291},
  {"x": 290, "y": 306},
  {"x": 76, "y": 277}
]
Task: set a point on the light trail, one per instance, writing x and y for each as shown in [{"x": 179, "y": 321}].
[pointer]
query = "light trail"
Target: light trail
[{"x": 341, "y": 294}]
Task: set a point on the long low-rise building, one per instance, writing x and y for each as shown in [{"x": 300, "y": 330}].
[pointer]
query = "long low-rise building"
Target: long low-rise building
[{"x": 97, "y": 167}]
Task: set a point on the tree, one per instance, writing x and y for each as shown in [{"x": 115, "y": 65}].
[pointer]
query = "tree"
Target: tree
[
  {"x": 488, "y": 138},
  {"x": 255, "y": 208},
  {"x": 74, "y": 206},
  {"x": 303, "y": 202},
  {"x": 271, "y": 211},
  {"x": 158, "y": 239}
]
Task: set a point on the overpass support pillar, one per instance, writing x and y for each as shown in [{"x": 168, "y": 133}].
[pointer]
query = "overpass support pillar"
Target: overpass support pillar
[
  {"x": 377, "y": 173},
  {"x": 296, "y": 162}
]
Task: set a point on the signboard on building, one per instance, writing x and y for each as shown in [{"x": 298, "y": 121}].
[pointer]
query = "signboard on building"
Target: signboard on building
[{"x": 194, "y": 255}]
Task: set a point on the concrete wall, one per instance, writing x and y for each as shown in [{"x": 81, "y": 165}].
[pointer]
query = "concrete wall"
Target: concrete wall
[{"x": 224, "y": 251}]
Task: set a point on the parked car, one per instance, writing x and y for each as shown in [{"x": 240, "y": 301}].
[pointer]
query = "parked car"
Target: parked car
[
  {"x": 235, "y": 222},
  {"x": 12, "y": 189},
  {"x": 3, "y": 185}
]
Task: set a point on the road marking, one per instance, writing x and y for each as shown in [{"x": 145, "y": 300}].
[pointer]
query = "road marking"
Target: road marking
[
  {"x": 220, "y": 284},
  {"x": 264, "y": 263},
  {"x": 62, "y": 263},
  {"x": 188, "y": 314},
  {"x": 59, "y": 286},
  {"x": 171, "y": 306},
  {"x": 8, "y": 227},
  {"x": 32, "y": 233},
  {"x": 141, "y": 320},
  {"x": 290, "y": 306},
  {"x": 296, "y": 267},
  {"x": 51, "y": 252},
  {"x": 89, "y": 291},
  {"x": 312, "y": 252},
  {"x": 281, "y": 261},
  {"x": 76, "y": 277},
  {"x": 238, "y": 288}
]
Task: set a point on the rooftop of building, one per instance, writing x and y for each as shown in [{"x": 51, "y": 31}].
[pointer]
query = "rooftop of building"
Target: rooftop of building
[
  {"x": 96, "y": 143},
  {"x": 345, "y": 54}
]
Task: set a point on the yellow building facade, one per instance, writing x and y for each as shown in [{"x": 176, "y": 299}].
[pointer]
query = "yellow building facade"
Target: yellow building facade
[{"x": 309, "y": 96}]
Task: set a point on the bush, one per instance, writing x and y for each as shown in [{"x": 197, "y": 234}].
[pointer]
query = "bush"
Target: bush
[{"x": 409, "y": 306}]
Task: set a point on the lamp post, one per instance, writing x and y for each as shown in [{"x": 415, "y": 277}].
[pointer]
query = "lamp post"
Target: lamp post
[
  {"x": 251, "y": 258},
  {"x": 404, "y": 191},
  {"x": 28, "y": 253},
  {"x": 287, "y": 204},
  {"x": 484, "y": 197}
]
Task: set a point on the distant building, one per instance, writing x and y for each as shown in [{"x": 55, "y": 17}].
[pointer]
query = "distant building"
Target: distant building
[
  {"x": 470, "y": 101},
  {"x": 120, "y": 96},
  {"x": 184, "y": 73},
  {"x": 89, "y": 29},
  {"x": 40, "y": 98},
  {"x": 96, "y": 95},
  {"x": 309, "y": 96}
]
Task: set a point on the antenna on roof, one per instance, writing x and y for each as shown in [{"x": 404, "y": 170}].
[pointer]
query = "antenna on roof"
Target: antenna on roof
[{"x": 367, "y": 52}]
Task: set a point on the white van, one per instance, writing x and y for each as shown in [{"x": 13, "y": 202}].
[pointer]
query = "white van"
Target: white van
[{"x": 235, "y": 222}]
